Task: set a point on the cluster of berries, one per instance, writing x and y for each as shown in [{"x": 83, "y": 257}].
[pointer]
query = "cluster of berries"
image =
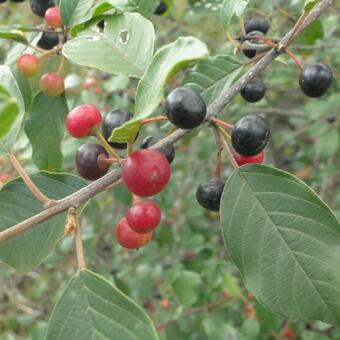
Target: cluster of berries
[{"x": 51, "y": 84}]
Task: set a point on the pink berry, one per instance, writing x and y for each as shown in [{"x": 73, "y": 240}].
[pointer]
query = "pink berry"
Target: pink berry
[
  {"x": 144, "y": 216},
  {"x": 83, "y": 120},
  {"x": 52, "y": 84},
  {"x": 28, "y": 65},
  {"x": 53, "y": 17},
  {"x": 128, "y": 238},
  {"x": 242, "y": 160},
  {"x": 146, "y": 172}
]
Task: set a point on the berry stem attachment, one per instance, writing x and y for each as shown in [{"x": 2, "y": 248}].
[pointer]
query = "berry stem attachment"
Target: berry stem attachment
[
  {"x": 29, "y": 183},
  {"x": 153, "y": 120},
  {"x": 296, "y": 60},
  {"x": 73, "y": 219},
  {"x": 221, "y": 122},
  {"x": 226, "y": 147},
  {"x": 107, "y": 146}
]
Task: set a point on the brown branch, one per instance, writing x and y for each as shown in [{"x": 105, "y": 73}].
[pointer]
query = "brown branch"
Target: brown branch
[{"x": 81, "y": 196}]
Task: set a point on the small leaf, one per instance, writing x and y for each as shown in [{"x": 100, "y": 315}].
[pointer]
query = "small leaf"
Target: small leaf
[
  {"x": 312, "y": 33},
  {"x": 231, "y": 8},
  {"x": 186, "y": 285},
  {"x": 124, "y": 48},
  {"x": 147, "y": 7},
  {"x": 285, "y": 242},
  {"x": 73, "y": 10},
  {"x": 45, "y": 130},
  {"x": 9, "y": 111},
  {"x": 125, "y": 133},
  {"x": 14, "y": 35},
  {"x": 17, "y": 203},
  {"x": 213, "y": 75},
  {"x": 309, "y": 5},
  {"x": 11, "y": 85},
  {"x": 93, "y": 308}
]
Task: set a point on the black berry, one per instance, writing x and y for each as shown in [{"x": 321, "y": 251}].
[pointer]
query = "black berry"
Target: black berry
[
  {"x": 248, "y": 52},
  {"x": 331, "y": 118},
  {"x": 161, "y": 8},
  {"x": 168, "y": 151},
  {"x": 254, "y": 91},
  {"x": 39, "y": 7},
  {"x": 315, "y": 79},
  {"x": 90, "y": 161},
  {"x": 112, "y": 120},
  {"x": 2, "y": 1},
  {"x": 48, "y": 40},
  {"x": 17, "y": 1},
  {"x": 250, "y": 135},
  {"x": 101, "y": 24},
  {"x": 256, "y": 24},
  {"x": 185, "y": 108},
  {"x": 209, "y": 194}
]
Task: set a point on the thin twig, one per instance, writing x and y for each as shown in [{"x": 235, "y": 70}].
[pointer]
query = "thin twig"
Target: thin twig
[
  {"x": 84, "y": 194},
  {"x": 227, "y": 148},
  {"x": 219, "y": 148},
  {"x": 28, "y": 182}
]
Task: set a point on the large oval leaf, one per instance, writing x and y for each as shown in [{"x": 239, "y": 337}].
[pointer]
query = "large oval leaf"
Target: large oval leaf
[
  {"x": 45, "y": 130},
  {"x": 9, "y": 110},
  {"x": 285, "y": 241},
  {"x": 214, "y": 75},
  {"x": 93, "y": 308},
  {"x": 72, "y": 11},
  {"x": 124, "y": 48},
  {"x": 169, "y": 60},
  {"x": 17, "y": 203}
]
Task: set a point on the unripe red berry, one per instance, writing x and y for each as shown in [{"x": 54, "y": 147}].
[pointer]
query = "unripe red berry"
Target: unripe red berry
[
  {"x": 242, "y": 160},
  {"x": 144, "y": 216},
  {"x": 28, "y": 65},
  {"x": 83, "y": 120},
  {"x": 165, "y": 304},
  {"x": 128, "y": 238},
  {"x": 53, "y": 17},
  {"x": 52, "y": 84},
  {"x": 146, "y": 172},
  {"x": 287, "y": 332}
]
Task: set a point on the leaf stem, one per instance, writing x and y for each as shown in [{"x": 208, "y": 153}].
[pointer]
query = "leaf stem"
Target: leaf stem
[{"x": 29, "y": 183}]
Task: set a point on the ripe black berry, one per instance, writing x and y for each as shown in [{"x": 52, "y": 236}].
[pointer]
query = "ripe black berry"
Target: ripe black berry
[
  {"x": 209, "y": 194},
  {"x": 168, "y": 151},
  {"x": 256, "y": 24},
  {"x": 250, "y": 135},
  {"x": 315, "y": 79},
  {"x": 185, "y": 108},
  {"x": 254, "y": 91},
  {"x": 48, "y": 40},
  {"x": 161, "y": 8},
  {"x": 90, "y": 161},
  {"x": 112, "y": 120},
  {"x": 2, "y": 1},
  {"x": 331, "y": 118},
  {"x": 248, "y": 52},
  {"x": 39, "y": 7}
]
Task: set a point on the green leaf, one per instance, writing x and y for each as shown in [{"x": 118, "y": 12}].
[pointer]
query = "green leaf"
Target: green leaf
[
  {"x": 17, "y": 203},
  {"x": 124, "y": 48},
  {"x": 72, "y": 11},
  {"x": 14, "y": 35},
  {"x": 9, "y": 111},
  {"x": 231, "y": 8},
  {"x": 114, "y": 6},
  {"x": 147, "y": 7},
  {"x": 327, "y": 143},
  {"x": 93, "y": 308},
  {"x": 45, "y": 130},
  {"x": 185, "y": 285},
  {"x": 9, "y": 82},
  {"x": 285, "y": 242},
  {"x": 169, "y": 60},
  {"x": 309, "y": 5},
  {"x": 312, "y": 33},
  {"x": 213, "y": 75}
]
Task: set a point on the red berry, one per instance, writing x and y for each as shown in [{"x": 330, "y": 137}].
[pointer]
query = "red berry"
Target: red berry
[
  {"x": 241, "y": 160},
  {"x": 165, "y": 304},
  {"x": 144, "y": 216},
  {"x": 52, "y": 84},
  {"x": 53, "y": 17},
  {"x": 83, "y": 120},
  {"x": 146, "y": 172},
  {"x": 287, "y": 332},
  {"x": 28, "y": 65},
  {"x": 128, "y": 238}
]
